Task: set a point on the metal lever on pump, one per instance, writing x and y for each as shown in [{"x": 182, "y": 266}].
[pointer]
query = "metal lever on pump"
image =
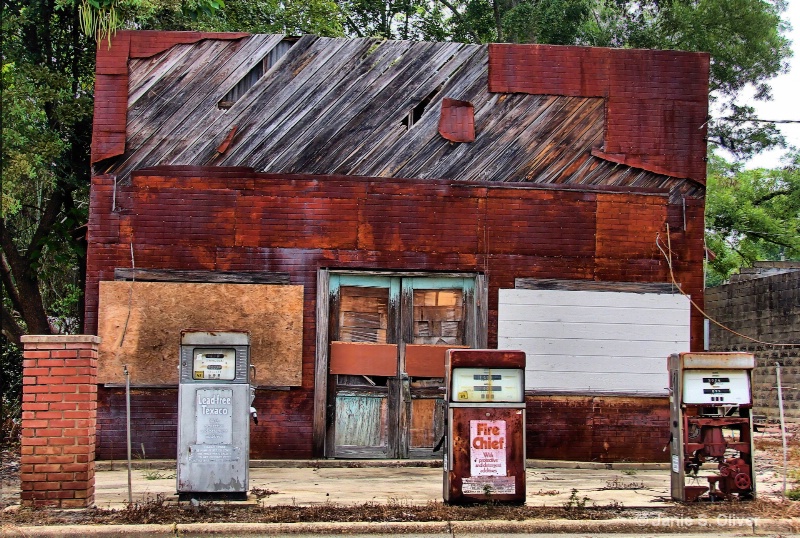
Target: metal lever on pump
[{"x": 253, "y": 412}]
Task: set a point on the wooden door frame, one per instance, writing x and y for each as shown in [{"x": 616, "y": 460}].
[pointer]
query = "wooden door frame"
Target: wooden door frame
[{"x": 321, "y": 445}]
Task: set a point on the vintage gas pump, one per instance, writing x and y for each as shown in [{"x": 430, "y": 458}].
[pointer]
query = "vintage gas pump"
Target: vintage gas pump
[
  {"x": 214, "y": 398},
  {"x": 710, "y": 422},
  {"x": 484, "y": 459}
]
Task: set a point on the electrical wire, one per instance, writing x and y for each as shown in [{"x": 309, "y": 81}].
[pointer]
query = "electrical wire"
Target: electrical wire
[
  {"x": 130, "y": 300},
  {"x": 668, "y": 256},
  {"x": 755, "y": 120}
]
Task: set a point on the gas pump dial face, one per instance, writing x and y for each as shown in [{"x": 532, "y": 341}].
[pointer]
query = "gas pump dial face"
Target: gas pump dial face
[
  {"x": 487, "y": 385},
  {"x": 214, "y": 364},
  {"x": 716, "y": 387}
]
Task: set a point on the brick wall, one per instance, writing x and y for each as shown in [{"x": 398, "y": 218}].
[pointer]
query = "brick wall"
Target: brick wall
[
  {"x": 235, "y": 220},
  {"x": 597, "y": 428},
  {"x": 154, "y": 423},
  {"x": 59, "y": 408},
  {"x": 768, "y": 309}
]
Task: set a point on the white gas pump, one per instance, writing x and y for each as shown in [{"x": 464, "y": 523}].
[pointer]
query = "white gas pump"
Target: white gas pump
[{"x": 214, "y": 409}]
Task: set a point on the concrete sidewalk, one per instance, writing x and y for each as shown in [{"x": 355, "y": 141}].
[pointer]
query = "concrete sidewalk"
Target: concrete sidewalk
[{"x": 307, "y": 483}]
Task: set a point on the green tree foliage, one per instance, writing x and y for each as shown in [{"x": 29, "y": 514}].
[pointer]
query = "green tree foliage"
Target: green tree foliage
[
  {"x": 751, "y": 215},
  {"x": 472, "y": 21},
  {"x": 47, "y": 75},
  {"x": 321, "y": 17},
  {"x": 744, "y": 37}
]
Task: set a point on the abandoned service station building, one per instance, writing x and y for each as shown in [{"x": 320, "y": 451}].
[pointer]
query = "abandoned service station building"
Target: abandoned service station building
[{"x": 359, "y": 206}]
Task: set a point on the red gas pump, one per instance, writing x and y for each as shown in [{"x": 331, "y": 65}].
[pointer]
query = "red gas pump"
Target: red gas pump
[
  {"x": 711, "y": 425},
  {"x": 485, "y": 442}
]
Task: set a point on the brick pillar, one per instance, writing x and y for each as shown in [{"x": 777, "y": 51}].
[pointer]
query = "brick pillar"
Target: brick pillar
[{"x": 59, "y": 417}]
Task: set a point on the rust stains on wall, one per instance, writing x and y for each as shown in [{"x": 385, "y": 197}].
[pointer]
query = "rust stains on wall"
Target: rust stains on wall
[
  {"x": 568, "y": 115},
  {"x": 111, "y": 81},
  {"x": 597, "y": 428},
  {"x": 236, "y": 220},
  {"x": 656, "y": 101}
]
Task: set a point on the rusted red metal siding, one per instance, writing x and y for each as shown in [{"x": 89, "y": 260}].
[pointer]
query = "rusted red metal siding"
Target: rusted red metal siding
[
  {"x": 597, "y": 428},
  {"x": 656, "y": 101},
  {"x": 111, "y": 81},
  {"x": 241, "y": 221},
  {"x": 255, "y": 221}
]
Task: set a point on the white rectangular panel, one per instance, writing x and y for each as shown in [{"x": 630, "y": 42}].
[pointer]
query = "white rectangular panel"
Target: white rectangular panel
[{"x": 594, "y": 341}]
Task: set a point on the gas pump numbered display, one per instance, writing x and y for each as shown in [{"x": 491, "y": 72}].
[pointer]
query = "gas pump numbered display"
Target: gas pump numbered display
[
  {"x": 485, "y": 440},
  {"x": 214, "y": 398},
  {"x": 711, "y": 425}
]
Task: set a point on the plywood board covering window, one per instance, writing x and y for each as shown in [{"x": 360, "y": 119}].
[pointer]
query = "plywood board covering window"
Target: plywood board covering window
[
  {"x": 363, "y": 314},
  {"x": 438, "y": 317},
  {"x": 424, "y": 413},
  {"x": 140, "y": 325}
]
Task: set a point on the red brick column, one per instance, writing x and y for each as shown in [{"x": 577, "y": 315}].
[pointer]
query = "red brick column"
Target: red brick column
[{"x": 59, "y": 416}]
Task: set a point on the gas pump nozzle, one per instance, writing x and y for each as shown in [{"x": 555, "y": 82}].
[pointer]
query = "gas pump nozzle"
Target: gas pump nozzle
[{"x": 253, "y": 412}]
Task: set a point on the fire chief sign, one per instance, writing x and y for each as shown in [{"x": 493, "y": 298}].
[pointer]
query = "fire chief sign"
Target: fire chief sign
[{"x": 487, "y": 441}]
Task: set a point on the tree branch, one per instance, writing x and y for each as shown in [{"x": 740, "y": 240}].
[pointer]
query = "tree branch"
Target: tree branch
[
  {"x": 26, "y": 284},
  {"x": 457, "y": 15},
  {"x": 11, "y": 329},
  {"x": 498, "y": 20},
  {"x": 771, "y": 239},
  {"x": 353, "y": 26},
  {"x": 46, "y": 222},
  {"x": 8, "y": 284},
  {"x": 770, "y": 196}
]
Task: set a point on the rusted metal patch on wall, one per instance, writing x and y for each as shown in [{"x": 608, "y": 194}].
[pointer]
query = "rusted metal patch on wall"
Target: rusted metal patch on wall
[
  {"x": 657, "y": 101},
  {"x": 348, "y": 358},
  {"x": 427, "y": 360},
  {"x": 457, "y": 120}
]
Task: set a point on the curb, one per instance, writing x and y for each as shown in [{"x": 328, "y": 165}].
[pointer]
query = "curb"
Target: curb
[
  {"x": 739, "y": 526},
  {"x": 121, "y": 465}
]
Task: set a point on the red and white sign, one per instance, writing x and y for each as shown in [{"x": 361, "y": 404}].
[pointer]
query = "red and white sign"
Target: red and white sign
[{"x": 487, "y": 441}]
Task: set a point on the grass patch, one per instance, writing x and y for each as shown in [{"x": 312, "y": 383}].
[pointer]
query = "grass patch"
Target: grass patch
[{"x": 157, "y": 475}]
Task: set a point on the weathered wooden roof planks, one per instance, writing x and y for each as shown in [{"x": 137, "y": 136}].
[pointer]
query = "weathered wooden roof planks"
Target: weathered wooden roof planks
[{"x": 344, "y": 107}]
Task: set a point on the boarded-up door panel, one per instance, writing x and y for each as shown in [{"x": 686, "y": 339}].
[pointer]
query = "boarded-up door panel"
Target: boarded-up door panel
[
  {"x": 361, "y": 422},
  {"x": 387, "y": 388}
]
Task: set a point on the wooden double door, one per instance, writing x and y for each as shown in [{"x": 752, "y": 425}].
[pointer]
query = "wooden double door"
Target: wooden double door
[{"x": 388, "y": 336}]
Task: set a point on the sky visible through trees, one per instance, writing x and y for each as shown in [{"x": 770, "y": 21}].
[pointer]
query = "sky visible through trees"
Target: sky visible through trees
[{"x": 47, "y": 92}]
